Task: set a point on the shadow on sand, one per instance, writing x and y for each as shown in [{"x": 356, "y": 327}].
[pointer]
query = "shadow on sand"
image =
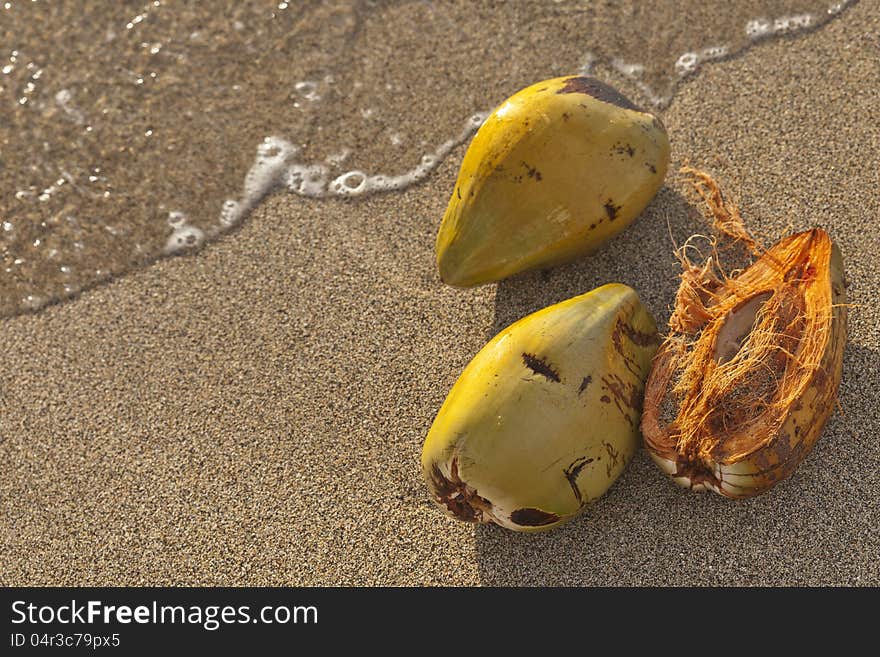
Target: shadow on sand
[{"x": 641, "y": 257}]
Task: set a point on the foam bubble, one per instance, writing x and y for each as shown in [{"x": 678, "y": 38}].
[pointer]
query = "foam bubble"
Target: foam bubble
[
  {"x": 338, "y": 158},
  {"x": 307, "y": 179},
  {"x": 351, "y": 183},
  {"x": 231, "y": 213},
  {"x": 628, "y": 69},
  {"x": 714, "y": 52},
  {"x": 267, "y": 172},
  {"x": 761, "y": 28},
  {"x": 47, "y": 193},
  {"x": 687, "y": 63},
  {"x": 587, "y": 63},
  {"x": 311, "y": 179},
  {"x": 34, "y": 301},
  {"x": 788, "y": 24},
  {"x": 184, "y": 237},
  {"x": 308, "y": 90}
]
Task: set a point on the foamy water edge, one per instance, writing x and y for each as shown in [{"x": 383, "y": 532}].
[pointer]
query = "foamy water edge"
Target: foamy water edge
[{"x": 277, "y": 166}]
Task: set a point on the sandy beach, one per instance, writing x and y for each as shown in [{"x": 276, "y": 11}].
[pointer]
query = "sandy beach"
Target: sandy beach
[{"x": 253, "y": 414}]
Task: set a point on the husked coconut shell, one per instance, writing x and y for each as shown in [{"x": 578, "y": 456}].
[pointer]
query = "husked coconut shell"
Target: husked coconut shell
[{"x": 747, "y": 376}]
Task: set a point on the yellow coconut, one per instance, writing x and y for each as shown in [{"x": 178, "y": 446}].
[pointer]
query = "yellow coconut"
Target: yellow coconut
[
  {"x": 545, "y": 417},
  {"x": 555, "y": 171}
]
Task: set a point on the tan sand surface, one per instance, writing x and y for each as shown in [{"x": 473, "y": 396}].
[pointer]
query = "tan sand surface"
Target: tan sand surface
[{"x": 254, "y": 414}]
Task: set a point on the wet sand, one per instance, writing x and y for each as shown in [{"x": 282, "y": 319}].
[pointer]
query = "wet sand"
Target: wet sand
[{"x": 253, "y": 414}]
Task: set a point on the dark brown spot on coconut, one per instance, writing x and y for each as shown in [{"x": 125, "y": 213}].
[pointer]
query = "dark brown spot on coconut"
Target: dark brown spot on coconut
[
  {"x": 626, "y": 396},
  {"x": 622, "y": 149},
  {"x": 612, "y": 462},
  {"x": 533, "y": 172},
  {"x": 696, "y": 473},
  {"x": 605, "y": 399},
  {"x": 460, "y": 500},
  {"x": 640, "y": 339},
  {"x": 612, "y": 452},
  {"x": 635, "y": 336},
  {"x": 541, "y": 366},
  {"x": 571, "y": 474},
  {"x": 529, "y": 517},
  {"x": 762, "y": 458},
  {"x": 585, "y": 383},
  {"x": 458, "y": 191},
  {"x": 611, "y": 210},
  {"x": 651, "y": 167},
  {"x": 783, "y": 447},
  {"x": 599, "y": 90}
]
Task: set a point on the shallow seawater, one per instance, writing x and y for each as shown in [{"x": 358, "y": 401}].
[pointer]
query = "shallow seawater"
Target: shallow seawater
[{"x": 131, "y": 130}]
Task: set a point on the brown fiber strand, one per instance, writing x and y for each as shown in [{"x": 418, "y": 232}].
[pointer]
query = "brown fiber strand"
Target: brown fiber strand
[{"x": 725, "y": 214}]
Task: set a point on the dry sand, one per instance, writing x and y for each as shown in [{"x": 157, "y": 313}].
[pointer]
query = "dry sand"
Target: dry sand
[{"x": 254, "y": 414}]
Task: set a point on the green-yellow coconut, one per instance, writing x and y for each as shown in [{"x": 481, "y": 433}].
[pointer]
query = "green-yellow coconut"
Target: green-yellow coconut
[
  {"x": 555, "y": 171},
  {"x": 545, "y": 417}
]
